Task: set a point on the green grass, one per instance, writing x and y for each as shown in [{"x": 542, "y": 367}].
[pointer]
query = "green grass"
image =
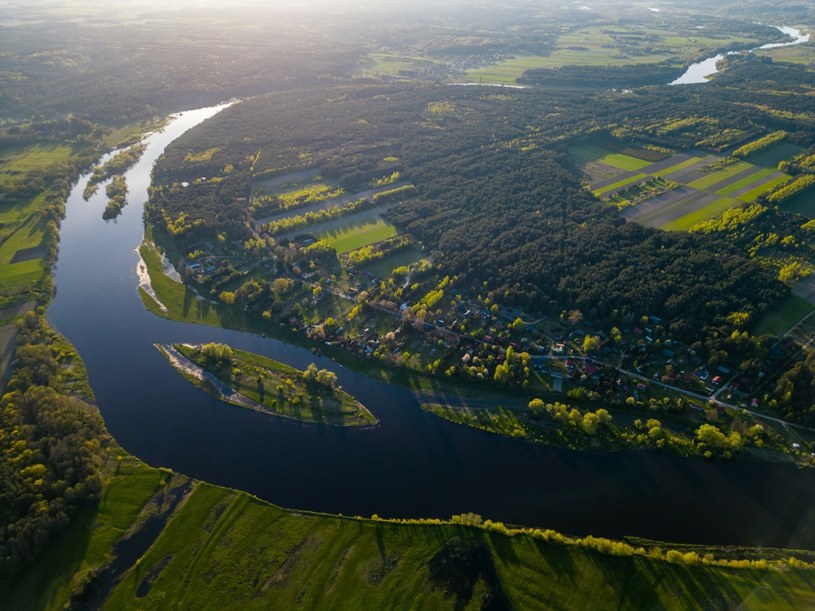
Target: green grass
[
  {"x": 753, "y": 194},
  {"x": 780, "y": 318},
  {"x": 350, "y": 237},
  {"x": 708, "y": 212},
  {"x": 801, "y": 203},
  {"x": 746, "y": 181},
  {"x": 384, "y": 267},
  {"x": 227, "y": 550},
  {"x": 17, "y": 160},
  {"x": 679, "y": 166},
  {"x": 619, "y": 183},
  {"x": 770, "y": 157},
  {"x": 182, "y": 303},
  {"x": 715, "y": 177},
  {"x": 587, "y": 153},
  {"x": 282, "y": 391},
  {"x": 62, "y": 568}
]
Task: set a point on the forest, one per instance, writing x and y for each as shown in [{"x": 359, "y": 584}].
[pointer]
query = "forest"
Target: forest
[{"x": 493, "y": 207}]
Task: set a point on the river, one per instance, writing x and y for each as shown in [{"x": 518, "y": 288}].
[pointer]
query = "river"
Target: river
[
  {"x": 413, "y": 464},
  {"x": 700, "y": 72}
]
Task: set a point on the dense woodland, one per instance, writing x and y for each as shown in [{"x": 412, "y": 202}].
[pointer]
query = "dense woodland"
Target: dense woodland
[
  {"x": 500, "y": 207},
  {"x": 50, "y": 441},
  {"x": 497, "y": 208}
]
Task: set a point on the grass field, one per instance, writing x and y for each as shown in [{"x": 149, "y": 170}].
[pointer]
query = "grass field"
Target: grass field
[
  {"x": 803, "y": 203},
  {"x": 620, "y": 183},
  {"x": 392, "y": 65},
  {"x": 182, "y": 304},
  {"x": 745, "y": 182},
  {"x": 618, "y": 45},
  {"x": 349, "y": 237},
  {"x": 710, "y": 211},
  {"x": 783, "y": 316},
  {"x": 587, "y": 153},
  {"x": 711, "y": 179},
  {"x": 702, "y": 194},
  {"x": 226, "y": 550},
  {"x": 384, "y": 267},
  {"x": 64, "y": 566},
  {"x": 15, "y": 161}
]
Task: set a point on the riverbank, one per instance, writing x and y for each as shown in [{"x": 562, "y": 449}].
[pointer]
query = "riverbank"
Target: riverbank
[
  {"x": 295, "y": 558},
  {"x": 490, "y": 409},
  {"x": 267, "y": 386}
]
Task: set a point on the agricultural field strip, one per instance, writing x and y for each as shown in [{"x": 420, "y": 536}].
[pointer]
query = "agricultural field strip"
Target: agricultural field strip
[
  {"x": 608, "y": 182},
  {"x": 671, "y": 163},
  {"x": 750, "y": 194},
  {"x": 630, "y": 180},
  {"x": 714, "y": 178},
  {"x": 689, "y": 220},
  {"x": 663, "y": 209},
  {"x": 588, "y": 153},
  {"x": 667, "y": 171},
  {"x": 345, "y": 198},
  {"x": 362, "y": 217},
  {"x": 743, "y": 180},
  {"x": 347, "y": 239},
  {"x": 690, "y": 173},
  {"x": 285, "y": 179}
]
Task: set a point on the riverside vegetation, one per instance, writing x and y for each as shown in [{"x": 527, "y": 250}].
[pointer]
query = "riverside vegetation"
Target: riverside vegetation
[
  {"x": 272, "y": 387},
  {"x": 474, "y": 282}
]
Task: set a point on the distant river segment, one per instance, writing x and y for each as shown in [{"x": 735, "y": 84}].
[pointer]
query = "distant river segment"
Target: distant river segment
[
  {"x": 700, "y": 72},
  {"x": 414, "y": 464}
]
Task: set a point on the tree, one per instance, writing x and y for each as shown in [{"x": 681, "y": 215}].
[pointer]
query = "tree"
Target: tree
[{"x": 591, "y": 343}]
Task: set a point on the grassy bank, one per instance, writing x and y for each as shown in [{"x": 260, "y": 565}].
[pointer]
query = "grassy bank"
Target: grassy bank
[
  {"x": 226, "y": 549},
  {"x": 277, "y": 389}
]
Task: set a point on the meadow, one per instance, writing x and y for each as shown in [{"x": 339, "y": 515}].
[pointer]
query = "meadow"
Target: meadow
[{"x": 708, "y": 184}]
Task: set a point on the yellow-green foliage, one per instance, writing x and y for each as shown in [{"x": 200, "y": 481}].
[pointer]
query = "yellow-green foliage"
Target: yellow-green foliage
[
  {"x": 442, "y": 107},
  {"x": 201, "y": 157},
  {"x": 758, "y": 145},
  {"x": 675, "y": 125},
  {"x": 803, "y": 182},
  {"x": 386, "y": 180},
  {"x": 393, "y": 194},
  {"x": 308, "y": 195},
  {"x": 805, "y": 161},
  {"x": 731, "y": 219}
]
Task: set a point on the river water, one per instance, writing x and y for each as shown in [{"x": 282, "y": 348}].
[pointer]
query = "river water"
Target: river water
[
  {"x": 413, "y": 464},
  {"x": 700, "y": 72}
]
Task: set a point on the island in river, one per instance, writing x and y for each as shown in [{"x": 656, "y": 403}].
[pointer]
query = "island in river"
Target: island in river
[{"x": 268, "y": 386}]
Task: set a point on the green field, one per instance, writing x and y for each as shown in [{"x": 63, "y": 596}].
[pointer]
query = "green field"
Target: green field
[
  {"x": 679, "y": 166},
  {"x": 384, "y": 267},
  {"x": 803, "y": 203},
  {"x": 227, "y": 550},
  {"x": 18, "y": 160},
  {"x": 753, "y": 194},
  {"x": 620, "y": 183},
  {"x": 717, "y": 176},
  {"x": 618, "y": 45},
  {"x": 182, "y": 303},
  {"x": 779, "y": 319},
  {"x": 745, "y": 182},
  {"x": 349, "y": 237},
  {"x": 392, "y": 65},
  {"x": 708, "y": 212},
  {"x": 588, "y": 153},
  {"x": 72, "y": 558}
]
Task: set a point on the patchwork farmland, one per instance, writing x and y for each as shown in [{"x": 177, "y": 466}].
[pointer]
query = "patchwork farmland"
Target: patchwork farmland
[{"x": 678, "y": 190}]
